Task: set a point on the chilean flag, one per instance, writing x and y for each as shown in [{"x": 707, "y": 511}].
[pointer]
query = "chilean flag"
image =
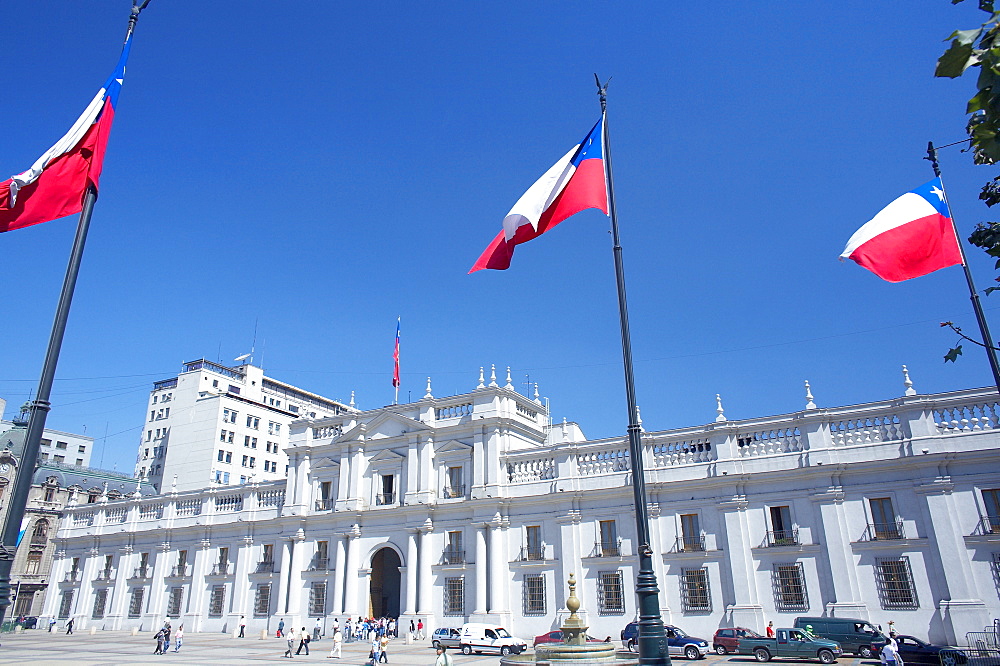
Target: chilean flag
[
  {"x": 395, "y": 357},
  {"x": 910, "y": 237},
  {"x": 574, "y": 183},
  {"x": 55, "y": 184}
]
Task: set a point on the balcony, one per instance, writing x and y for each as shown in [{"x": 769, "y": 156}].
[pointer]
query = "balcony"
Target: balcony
[
  {"x": 385, "y": 499},
  {"x": 988, "y": 525},
  {"x": 532, "y": 553},
  {"x": 140, "y": 572},
  {"x": 453, "y": 492},
  {"x": 72, "y": 576},
  {"x": 452, "y": 556},
  {"x": 884, "y": 532},
  {"x": 220, "y": 569},
  {"x": 320, "y": 564},
  {"x": 324, "y": 505},
  {"x": 689, "y": 544},
  {"x": 775, "y": 538},
  {"x": 265, "y": 566},
  {"x": 607, "y": 548},
  {"x": 180, "y": 571},
  {"x": 109, "y": 574}
]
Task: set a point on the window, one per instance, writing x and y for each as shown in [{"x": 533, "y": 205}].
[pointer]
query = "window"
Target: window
[
  {"x": 695, "y": 594},
  {"x": 59, "y": 458},
  {"x": 884, "y": 525},
  {"x": 386, "y": 496},
  {"x": 253, "y": 442},
  {"x": 991, "y": 498},
  {"x": 65, "y": 604},
  {"x": 534, "y": 550},
  {"x": 253, "y": 462},
  {"x": 456, "y": 487},
  {"x": 50, "y": 494},
  {"x": 217, "y": 601},
  {"x": 81, "y": 449},
  {"x": 782, "y": 533},
  {"x": 533, "y": 592},
  {"x": 174, "y": 603},
  {"x": 229, "y": 415},
  {"x": 152, "y": 414},
  {"x": 46, "y": 442},
  {"x": 690, "y": 533},
  {"x": 61, "y": 445},
  {"x": 166, "y": 412},
  {"x": 40, "y": 535},
  {"x": 222, "y": 455},
  {"x": 454, "y": 596},
  {"x": 245, "y": 459},
  {"x": 895, "y": 583},
  {"x": 229, "y": 456},
  {"x": 789, "y": 585},
  {"x": 45, "y": 456},
  {"x": 33, "y": 563},
  {"x": 79, "y": 462},
  {"x": 222, "y": 435},
  {"x": 100, "y": 603},
  {"x": 273, "y": 428},
  {"x": 262, "y": 600},
  {"x": 317, "y": 600},
  {"x": 253, "y": 422},
  {"x": 610, "y": 594},
  {"x": 608, "y": 546},
  {"x": 135, "y": 604}
]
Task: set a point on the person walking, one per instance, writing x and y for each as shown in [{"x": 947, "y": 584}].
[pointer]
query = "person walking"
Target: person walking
[
  {"x": 384, "y": 648},
  {"x": 317, "y": 628},
  {"x": 69, "y": 626},
  {"x": 290, "y": 641},
  {"x": 281, "y": 627},
  {"x": 179, "y": 638},
  {"x": 443, "y": 658},
  {"x": 303, "y": 641},
  {"x": 770, "y": 630},
  {"x": 348, "y": 630},
  {"x": 166, "y": 637},
  {"x": 420, "y": 629},
  {"x": 159, "y": 642},
  {"x": 890, "y": 653},
  {"x": 413, "y": 630},
  {"x": 52, "y": 624},
  {"x": 243, "y": 626},
  {"x": 338, "y": 640}
]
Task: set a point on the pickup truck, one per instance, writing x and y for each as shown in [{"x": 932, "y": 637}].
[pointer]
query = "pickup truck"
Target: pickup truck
[{"x": 794, "y": 643}]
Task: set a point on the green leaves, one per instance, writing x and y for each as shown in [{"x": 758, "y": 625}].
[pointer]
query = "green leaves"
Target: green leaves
[
  {"x": 958, "y": 58},
  {"x": 953, "y": 354}
]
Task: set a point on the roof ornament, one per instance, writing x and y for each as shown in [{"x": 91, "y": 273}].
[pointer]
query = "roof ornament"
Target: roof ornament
[
  {"x": 508, "y": 384},
  {"x": 493, "y": 375},
  {"x": 481, "y": 380},
  {"x": 908, "y": 383},
  {"x": 351, "y": 403},
  {"x": 718, "y": 409},
  {"x": 809, "y": 397},
  {"x": 428, "y": 394},
  {"x": 538, "y": 399}
]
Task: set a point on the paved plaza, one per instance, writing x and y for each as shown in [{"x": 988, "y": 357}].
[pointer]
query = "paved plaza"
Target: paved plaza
[{"x": 120, "y": 647}]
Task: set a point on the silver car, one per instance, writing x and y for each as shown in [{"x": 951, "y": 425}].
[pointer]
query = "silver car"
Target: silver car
[{"x": 448, "y": 637}]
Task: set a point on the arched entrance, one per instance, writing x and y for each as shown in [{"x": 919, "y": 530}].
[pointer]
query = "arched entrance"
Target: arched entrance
[{"x": 385, "y": 584}]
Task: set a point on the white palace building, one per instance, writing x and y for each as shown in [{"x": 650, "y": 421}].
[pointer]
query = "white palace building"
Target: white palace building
[{"x": 476, "y": 508}]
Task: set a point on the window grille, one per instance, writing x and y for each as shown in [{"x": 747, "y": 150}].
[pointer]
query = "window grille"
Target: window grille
[
  {"x": 262, "y": 600},
  {"x": 100, "y": 601},
  {"x": 135, "y": 605},
  {"x": 454, "y": 596},
  {"x": 895, "y": 583},
  {"x": 695, "y": 592},
  {"x": 789, "y": 583},
  {"x": 317, "y": 599},
  {"x": 610, "y": 594},
  {"x": 174, "y": 605},
  {"x": 217, "y": 601},
  {"x": 534, "y": 594},
  {"x": 66, "y": 604}
]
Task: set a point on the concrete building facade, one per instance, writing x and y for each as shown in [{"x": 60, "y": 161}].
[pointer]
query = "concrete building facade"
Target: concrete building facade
[{"x": 475, "y": 508}]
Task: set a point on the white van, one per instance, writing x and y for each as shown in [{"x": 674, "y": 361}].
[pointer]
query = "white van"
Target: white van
[{"x": 480, "y": 638}]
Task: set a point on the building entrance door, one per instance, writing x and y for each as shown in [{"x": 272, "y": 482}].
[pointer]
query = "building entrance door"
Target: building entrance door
[{"x": 385, "y": 584}]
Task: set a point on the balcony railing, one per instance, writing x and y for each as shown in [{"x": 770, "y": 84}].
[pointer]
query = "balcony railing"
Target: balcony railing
[
  {"x": 607, "y": 548},
  {"x": 320, "y": 564},
  {"x": 265, "y": 566},
  {"x": 451, "y": 492},
  {"x": 72, "y": 576},
  {"x": 180, "y": 571},
  {"x": 529, "y": 553},
  {"x": 781, "y": 538},
  {"x": 220, "y": 569},
  {"x": 324, "y": 504},
  {"x": 452, "y": 556},
  {"x": 108, "y": 574},
  {"x": 689, "y": 544},
  {"x": 385, "y": 499},
  {"x": 884, "y": 531},
  {"x": 989, "y": 525},
  {"x": 141, "y": 572}
]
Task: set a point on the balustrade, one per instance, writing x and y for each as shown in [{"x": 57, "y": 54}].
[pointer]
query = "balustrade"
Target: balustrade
[
  {"x": 591, "y": 463},
  {"x": 866, "y": 430},
  {"x": 768, "y": 442},
  {"x": 525, "y": 471},
  {"x": 967, "y": 418},
  {"x": 453, "y": 411}
]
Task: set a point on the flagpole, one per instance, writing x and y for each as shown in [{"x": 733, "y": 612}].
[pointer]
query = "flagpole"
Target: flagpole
[
  {"x": 984, "y": 328},
  {"x": 40, "y": 406},
  {"x": 652, "y": 641}
]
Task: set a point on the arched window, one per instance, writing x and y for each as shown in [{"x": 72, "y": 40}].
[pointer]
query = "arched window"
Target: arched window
[{"x": 40, "y": 535}]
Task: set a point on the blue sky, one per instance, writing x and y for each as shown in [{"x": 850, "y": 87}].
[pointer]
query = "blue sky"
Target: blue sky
[{"x": 324, "y": 169}]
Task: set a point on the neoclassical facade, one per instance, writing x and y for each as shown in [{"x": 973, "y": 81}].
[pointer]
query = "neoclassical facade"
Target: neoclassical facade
[{"x": 476, "y": 508}]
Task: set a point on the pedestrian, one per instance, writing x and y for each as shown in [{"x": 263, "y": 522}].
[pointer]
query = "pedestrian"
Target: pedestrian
[
  {"x": 890, "y": 653},
  {"x": 243, "y": 626},
  {"x": 290, "y": 641},
  {"x": 770, "y": 630},
  {"x": 317, "y": 628},
  {"x": 338, "y": 640},
  {"x": 376, "y": 652},
  {"x": 443, "y": 658},
  {"x": 420, "y": 629},
  {"x": 179, "y": 638},
  {"x": 303, "y": 641},
  {"x": 348, "y": 630},
  {"x": 52, "y": 624},
  {"x": 159, "y": 642},
  {"x": 384, "y": 648},
  {"x": 281, "y": 627},
  {"x": 413, "y": 630},
  {"x": 166, "y": 637},
  {"x": 69, "y": 626}
]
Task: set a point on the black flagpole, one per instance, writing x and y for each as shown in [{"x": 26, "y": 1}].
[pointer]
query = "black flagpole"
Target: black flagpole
[
  {"x": 652, "y": 640},
  {"x": 984, "y": 328},
  {"x": 39, "y": 408}
]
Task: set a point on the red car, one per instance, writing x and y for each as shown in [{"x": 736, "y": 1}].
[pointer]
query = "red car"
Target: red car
[
  {"x": 557, "y": 637},
  {"x": 728, "y": 640}
]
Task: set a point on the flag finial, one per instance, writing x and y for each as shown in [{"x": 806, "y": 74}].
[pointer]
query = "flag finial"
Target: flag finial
[{"x": 602, "y": 91}]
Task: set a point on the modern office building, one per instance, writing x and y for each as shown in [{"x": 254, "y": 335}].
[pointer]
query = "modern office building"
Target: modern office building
[
  {"x": 475, "y": 507},
  {"x": 216, "y": 425}
]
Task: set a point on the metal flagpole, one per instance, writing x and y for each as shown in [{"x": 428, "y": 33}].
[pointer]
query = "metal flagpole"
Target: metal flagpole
[
  {"x": 652, "y": 640},
  {"x": 39, "y": 407},
  {"x": 984, "y": 328}
]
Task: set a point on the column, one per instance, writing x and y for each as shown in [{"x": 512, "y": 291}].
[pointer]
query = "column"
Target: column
[
  {"x": 963, "y": 611},
  {"x": 351, "y": 604},
  {"x": 480, "y": 607},
  {"x": 839, "y": 555},
  {"x": 60, "y": 567},
  {"x": 746, "y": 611},
  {"x": 84, "y": 603},
  {"x": 339, "y": 564},
  {"x": 478, "y": 464},
  {"x": 157, "y": 607},
  {"x": 284, "y": 566},
  {"x": 499, "y": 572},
  {"x": 293, "y": 577},
  {"x": 656, "y": 543},
  {"x": 119, "y": 593},
  {"x": 241, "y": 584},
  {"x": 425, "y": 604},
  {"x": 197, "y": 608},
  {"x": 425, "y": 491},
  {"x": 410, "y": 605}
]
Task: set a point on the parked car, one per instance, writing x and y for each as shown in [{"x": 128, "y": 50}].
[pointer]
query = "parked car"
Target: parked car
[
  {"x": 557, "y": 637},
  {"x": 854, "y": 635},
  {"x": 477, "y": 637},
  {"x": 912, "y": 650},
  {"x": 30, "y": 622},
  {"x": 447, "y": 636},
  {"x": 679, "y": 644},
  {"x": 728, "y": 640},
  {"x": 794, "y": 643}
]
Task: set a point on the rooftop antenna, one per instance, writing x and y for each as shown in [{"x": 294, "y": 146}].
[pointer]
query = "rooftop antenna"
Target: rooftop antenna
[{"x": 527, "y": 384}]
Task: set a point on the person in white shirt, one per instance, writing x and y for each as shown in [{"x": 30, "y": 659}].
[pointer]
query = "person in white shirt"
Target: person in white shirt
[{"x": 338, "y": 639}]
